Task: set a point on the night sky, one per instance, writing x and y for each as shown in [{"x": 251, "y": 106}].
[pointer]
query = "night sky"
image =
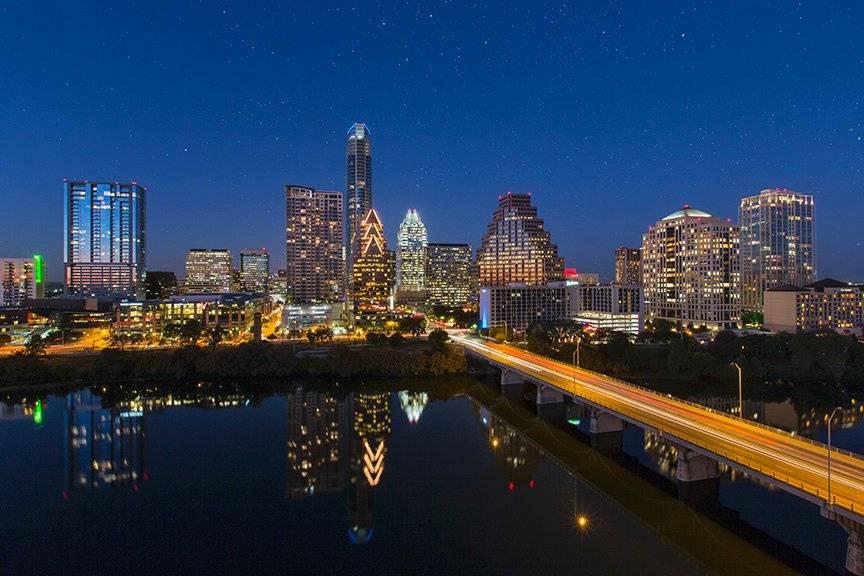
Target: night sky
[{"x": 612, "y": 115}]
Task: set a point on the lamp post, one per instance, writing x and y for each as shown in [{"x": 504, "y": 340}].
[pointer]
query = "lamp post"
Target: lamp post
[
  {"x": 830, "y": 419},
  {"x": 505, "y": 331},
  {"x": 740, "y": 390}
]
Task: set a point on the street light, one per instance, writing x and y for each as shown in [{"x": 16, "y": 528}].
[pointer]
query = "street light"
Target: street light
[
  {"x": 830, "y": 419},
  {"x": 740, "y": 392}
]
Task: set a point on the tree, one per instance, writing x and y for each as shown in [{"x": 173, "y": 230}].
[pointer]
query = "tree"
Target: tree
[
  {"x": 414, "y": 325},
  {"x": 172, "y": 331},
  {"x": 215, "y": 335},
  {"x": 396, "y": 340},
  {"x": 191, "y": 331},
  {"x": 438, "y": 339},
  {"x": 5, "y": 339},
  {"x": 36, "y": 345}
]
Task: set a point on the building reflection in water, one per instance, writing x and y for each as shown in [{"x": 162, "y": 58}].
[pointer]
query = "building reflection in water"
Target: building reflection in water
[
  {"x": 334, "y": 444},
  {"x": 413, "y": 404},
  {"x": 104, "y": 447},
  {"x": 514, "y": 454},
  {"x": 313, "y": 455}
]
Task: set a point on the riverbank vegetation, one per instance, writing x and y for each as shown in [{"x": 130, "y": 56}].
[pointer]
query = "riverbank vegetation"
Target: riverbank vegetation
[{"x": 257, "y": 360}]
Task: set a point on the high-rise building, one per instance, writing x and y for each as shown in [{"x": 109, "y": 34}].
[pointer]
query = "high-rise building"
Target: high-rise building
[
  {"x": 628, "y": 265},
  {"x": 373, "y": 267},
  {"x": 778, "y": 243},
  {"x": 448, "y": 274},
  {"x": 255, "y": 270},
  {"x": 826, "y": 304},
  {"x": 105, "y": 240},
  {"x": 690, "y": 270},
  {"x": 516, "y": 247},
  {"x": 208, "y": 271},
  {"x": 313, "y": 241},
  {"x": 20, "y": 279},
  {"x": 358, "y": 189},
  {"x": 161, "y": 285},
  {"x": 411, "y": 244}
]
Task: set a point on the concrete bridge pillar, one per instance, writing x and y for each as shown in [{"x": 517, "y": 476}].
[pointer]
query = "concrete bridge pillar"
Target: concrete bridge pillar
[
  {"x": 698, "y": 478},
  {"x": 693, "y": 466},
  {"x": 510, "y": 377},
  {"x": 549, "y": 395},
  {"x": 855, "y": 543},
  {"x": 607, "y": 431}
]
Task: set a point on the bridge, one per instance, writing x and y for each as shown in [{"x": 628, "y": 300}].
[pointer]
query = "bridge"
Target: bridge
[{"x": 704, "y": 437}]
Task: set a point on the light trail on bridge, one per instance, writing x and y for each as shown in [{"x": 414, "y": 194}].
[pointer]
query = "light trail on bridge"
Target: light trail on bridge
[{"x": 794, "y": 463}]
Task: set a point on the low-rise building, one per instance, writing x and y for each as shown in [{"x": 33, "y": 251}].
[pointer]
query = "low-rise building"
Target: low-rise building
[{"x": 826, "y": 304}]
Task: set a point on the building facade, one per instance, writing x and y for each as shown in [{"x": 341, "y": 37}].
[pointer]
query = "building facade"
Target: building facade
[
  {"x": 358, "y": 189},
  {"x": 778, "y": 243},
  {"x": 411, "y": 242},
  {"x": 690, "y": 270},
  {"x": 826, "y": 304},
  {"x": 518, "y": 307},
  {"x": 313, "y": 241},
  {"x": 105, "y": 239},
  {"x": 161, "y": 284},
  {"x": 208, "y": 271},
  {"x": 20, "y": 279},
  {"x": 516, "y": 247},
  {"x": 615, "y": 307},
  {"x": 628, "y": 265},
  {"x": 373, "y": 267},
  {"x": 448, "y": 274},
  {"x": 255, "y": 270}
]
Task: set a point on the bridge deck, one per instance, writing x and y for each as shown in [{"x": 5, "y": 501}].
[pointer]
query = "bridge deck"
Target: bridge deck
[{"x": 794, "y": 463}]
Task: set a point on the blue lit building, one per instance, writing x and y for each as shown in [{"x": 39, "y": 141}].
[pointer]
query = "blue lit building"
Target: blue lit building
[{"x": 105, "y": 241}]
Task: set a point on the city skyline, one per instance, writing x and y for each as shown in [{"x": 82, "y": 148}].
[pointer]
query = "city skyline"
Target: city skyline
[{"x": 603, "y": 167}]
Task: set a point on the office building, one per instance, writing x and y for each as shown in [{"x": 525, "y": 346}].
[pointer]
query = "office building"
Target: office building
[
  {"x": 516, "y": 247},
  {"x": 518, "y": 307},
  {"x": 690, "y": 270},
  {"x": 778, "y": 243},
  {"x": 358, "y": 188},
  {"x": 411, "y": 244},
  {"x": 616, "y": 307},
  {"x": 584, "y": 278},
  {"x": 448, "y": 274},
  {"x": 208, "y": 271},
  {"x": 628, "y": 265},
  {"x": 255, "y": 270},
  {"x": 313, "y": 241},
  {"x": 826, "y": 304},
  {"x": 161, "y": 285},
  {"x": 20, "y": 279},
  {"x": 105, "y": 240},
  {"x": 373, "y": 267}
]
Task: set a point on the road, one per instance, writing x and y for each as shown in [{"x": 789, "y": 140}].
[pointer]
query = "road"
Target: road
[{"x": 801, "y": 464}]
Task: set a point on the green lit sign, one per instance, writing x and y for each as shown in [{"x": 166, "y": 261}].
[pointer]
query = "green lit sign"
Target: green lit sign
[
  {"x": 37, "y": 268},
  {"x": 37, "y": 412}
]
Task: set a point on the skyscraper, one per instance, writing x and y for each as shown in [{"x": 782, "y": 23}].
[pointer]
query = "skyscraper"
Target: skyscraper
[
  {"x": 628, "y": 265},
  {"x": 690, "y": 265},
  {"x": 208, "y": 271},
  {"x": 778, "y": 243},
  {"x": 516, "y": 247},
  {"x": 373, "y": 267},
  {"x": 411, "y": 244},
  {"x": 358, "y": 187},
  {"x": 105, "y": 241},
  {"x": 448, "y": 274},
  {"x": 313, "y": 243},
  {"x": 255, "y": 270},
  {"x": 20, "y": 279}
]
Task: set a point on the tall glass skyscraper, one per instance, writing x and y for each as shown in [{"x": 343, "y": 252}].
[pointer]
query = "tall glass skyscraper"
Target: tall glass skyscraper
[
  {"x": 448, "y": 274},
  {"x": 411, "y": 244},
  {"x": 358, "y": 188},
  {"x": 255, "y": 270},
  {"x": 516, "y": 247},
  {"x": 778, "y": 243},
  {"x": 105, "y": 241}
]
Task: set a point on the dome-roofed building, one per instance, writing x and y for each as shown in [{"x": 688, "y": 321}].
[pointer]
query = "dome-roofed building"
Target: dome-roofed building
[{"x": 690, "y": 269}]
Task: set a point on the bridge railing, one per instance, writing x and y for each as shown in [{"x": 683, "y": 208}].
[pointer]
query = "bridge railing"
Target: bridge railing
[{"x": 703, "y": 407}]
